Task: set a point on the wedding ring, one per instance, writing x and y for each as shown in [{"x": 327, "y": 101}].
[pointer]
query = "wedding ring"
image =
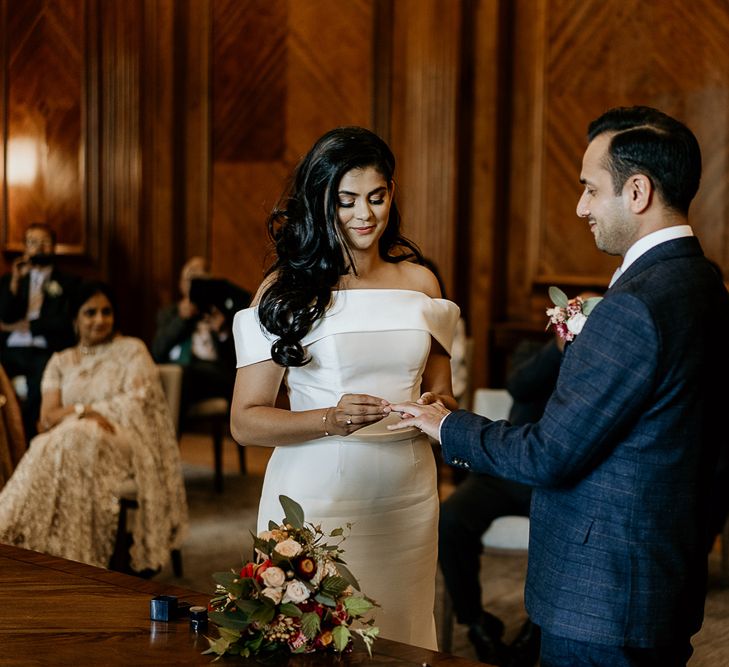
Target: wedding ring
[{"x": 349, "y": 420}]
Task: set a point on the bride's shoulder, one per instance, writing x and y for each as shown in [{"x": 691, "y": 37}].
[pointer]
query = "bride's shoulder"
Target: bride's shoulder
[
  {"x": 419, "y": 278},
  {"x": 265, "y": 284}
]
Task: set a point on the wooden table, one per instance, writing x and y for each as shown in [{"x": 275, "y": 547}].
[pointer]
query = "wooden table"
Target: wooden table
[{"x": 59, "y": 612}]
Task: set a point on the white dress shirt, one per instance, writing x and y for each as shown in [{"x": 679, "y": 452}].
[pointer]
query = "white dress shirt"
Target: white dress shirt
[
  {"x": 643, "y": 245},
  {"x": 37, "y": 279}
]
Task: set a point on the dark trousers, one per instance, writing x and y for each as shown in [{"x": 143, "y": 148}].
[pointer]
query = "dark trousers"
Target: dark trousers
[
  {"x": 464, "y": 518},
  {"x": 562, "y": 652},
  {"x": 31, "y": 362}
]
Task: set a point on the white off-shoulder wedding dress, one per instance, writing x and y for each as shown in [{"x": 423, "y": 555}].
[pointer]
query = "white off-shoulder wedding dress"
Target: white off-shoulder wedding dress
[{"x": 373, "y": 341}]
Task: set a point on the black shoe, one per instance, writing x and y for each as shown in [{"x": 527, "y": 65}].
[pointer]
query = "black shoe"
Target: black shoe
[
  {"x": 524, "y": 650},
  {"x": 485, "y": 635}
]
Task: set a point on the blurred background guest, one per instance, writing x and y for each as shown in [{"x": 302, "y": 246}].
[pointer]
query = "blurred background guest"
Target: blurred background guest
[
  {"x": 195, "y": 332},
  {"x": 34, "y": 315},
  {"x": 106, "y": 421}
]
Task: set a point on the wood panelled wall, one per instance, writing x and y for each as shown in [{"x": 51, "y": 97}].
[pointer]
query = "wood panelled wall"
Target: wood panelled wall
[
  {"x": 166, "y": 128},
  {"x": 279, "y": 81}
]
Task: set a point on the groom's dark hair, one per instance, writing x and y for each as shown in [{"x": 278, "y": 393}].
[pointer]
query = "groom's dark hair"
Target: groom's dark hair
[{"x": 648, "y": 141}]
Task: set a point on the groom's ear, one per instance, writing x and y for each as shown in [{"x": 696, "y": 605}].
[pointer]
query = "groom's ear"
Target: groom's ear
[{"x": 640, "y": 192}]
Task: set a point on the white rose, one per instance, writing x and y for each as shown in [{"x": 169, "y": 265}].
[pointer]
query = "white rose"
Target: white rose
[
  {"x": 324, "y": 568},
  {"x": 273, "y": 576},
  {"x": 295, "y": 592},
  {"x": 272, "y": 593},
  {"x": 576, "y": 322},
  {"x": 288, "y": 548}
]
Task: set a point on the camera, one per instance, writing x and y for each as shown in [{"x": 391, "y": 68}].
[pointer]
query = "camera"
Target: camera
[{"x": 228, "y": 298}]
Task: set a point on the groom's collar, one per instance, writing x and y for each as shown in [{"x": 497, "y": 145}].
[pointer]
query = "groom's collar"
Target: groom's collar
[{"x": 643, "y": 245}]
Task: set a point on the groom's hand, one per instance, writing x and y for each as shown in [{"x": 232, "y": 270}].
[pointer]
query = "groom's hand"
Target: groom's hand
[{"x": 425, "y": 417}]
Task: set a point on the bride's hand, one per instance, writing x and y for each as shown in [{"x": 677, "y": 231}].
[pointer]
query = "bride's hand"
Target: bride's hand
[
  {"x": 428, "y": 398},
  {"x": 353, "y": 412}
]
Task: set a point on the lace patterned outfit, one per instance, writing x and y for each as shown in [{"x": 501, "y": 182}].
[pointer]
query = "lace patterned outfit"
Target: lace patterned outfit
[
  {"x": 62, "y": 498},
  {"x": 373, "y": 341}
]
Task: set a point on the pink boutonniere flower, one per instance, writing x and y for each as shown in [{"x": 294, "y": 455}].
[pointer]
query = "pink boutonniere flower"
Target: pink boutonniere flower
[{"x": 569, "y": 315}]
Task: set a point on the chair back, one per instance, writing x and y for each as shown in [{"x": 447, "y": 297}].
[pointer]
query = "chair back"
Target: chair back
[
  {"x": 171, "y": 377},
  {"x": 492, "y": 403},
  {"x": 506, "y": 533}
]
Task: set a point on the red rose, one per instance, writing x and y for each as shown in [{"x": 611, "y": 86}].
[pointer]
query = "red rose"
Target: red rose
[
  {"x": 260, "y": 569},
  {"x": 247, "y": 571}
]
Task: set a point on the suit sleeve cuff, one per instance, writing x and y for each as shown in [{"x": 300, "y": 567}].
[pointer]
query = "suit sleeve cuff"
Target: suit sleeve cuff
[{"x": 440, "y": 426}]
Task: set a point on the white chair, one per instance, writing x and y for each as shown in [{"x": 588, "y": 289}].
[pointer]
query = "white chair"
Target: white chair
[
  {"x": 507, "y": 534},
  {"x": 492, "y": 403},
  {"x": 170, "y": 376}
]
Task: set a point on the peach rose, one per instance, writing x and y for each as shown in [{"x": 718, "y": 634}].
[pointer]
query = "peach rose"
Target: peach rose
[
  {"x": 273, "y": 577},
  {"x": 288, "y": 548},
  {"x": 272, "y": 593}
]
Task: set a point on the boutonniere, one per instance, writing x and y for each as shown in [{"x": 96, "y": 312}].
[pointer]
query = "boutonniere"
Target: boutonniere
[
  {"x": 53, "y": 288},
  {"x": 569, "y": 315}
]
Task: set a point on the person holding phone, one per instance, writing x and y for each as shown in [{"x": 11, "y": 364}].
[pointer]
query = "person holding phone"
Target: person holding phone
[{"x": 34, "y": 318}]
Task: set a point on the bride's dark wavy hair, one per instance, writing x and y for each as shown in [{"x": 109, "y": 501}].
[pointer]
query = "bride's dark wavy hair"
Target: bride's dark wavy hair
[{"x": 311, "y": 254}]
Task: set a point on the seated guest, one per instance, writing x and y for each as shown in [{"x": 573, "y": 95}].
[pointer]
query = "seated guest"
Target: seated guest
[
  {"x": 195, "y": 332},
  {"x": 480, "y": 499},
  {"x": 106, "y": 421},
  {"x": 12, "y": 437},
  {"x": 34, "y": 315}
]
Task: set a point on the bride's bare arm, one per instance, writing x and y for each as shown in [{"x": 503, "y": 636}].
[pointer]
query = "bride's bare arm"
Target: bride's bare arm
[
  {"x": 437, "y": 379},
  {"x": 437, "y": 384},
  {"x": 255, "y": 421}
]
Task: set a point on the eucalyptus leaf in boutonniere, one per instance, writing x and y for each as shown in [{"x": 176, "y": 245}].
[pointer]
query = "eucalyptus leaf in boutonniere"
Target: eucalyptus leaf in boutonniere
[
  {"x": 53, "y": 288},
  {"x": 569, "y": 315}
]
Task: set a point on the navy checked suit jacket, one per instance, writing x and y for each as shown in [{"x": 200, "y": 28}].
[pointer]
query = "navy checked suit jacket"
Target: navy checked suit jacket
[{"x": 620, "y": 460}]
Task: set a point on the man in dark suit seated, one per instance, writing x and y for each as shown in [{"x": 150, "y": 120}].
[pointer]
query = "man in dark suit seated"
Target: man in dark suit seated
[
  {"x": 195, "y": 332},
  {"x": 34, "y": 317},
  {"x": 622, "y": 460}
]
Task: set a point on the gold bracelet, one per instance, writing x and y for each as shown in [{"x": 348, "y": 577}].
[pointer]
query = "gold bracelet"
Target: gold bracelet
[{"x": 324, "y": 420}]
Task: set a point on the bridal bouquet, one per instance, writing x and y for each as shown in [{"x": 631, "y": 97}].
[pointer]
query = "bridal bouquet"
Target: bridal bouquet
[
  {"x": 569, "y": 315},
  {"x": 295, "y": 595}
]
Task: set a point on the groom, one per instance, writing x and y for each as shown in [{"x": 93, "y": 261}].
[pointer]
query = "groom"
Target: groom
[{"x": 621, "y": 459}]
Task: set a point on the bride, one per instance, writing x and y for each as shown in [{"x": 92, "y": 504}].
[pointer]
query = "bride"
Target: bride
[{"x": 350, "y": 323}]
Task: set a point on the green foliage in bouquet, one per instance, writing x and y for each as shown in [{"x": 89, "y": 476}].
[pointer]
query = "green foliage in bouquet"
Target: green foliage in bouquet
[{"x": 296, "y": 595}]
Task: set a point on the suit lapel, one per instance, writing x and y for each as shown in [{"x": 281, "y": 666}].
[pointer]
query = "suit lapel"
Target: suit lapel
[
  {"x": 687, "y": 246},
  {"x": 24, "y": 289}
]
